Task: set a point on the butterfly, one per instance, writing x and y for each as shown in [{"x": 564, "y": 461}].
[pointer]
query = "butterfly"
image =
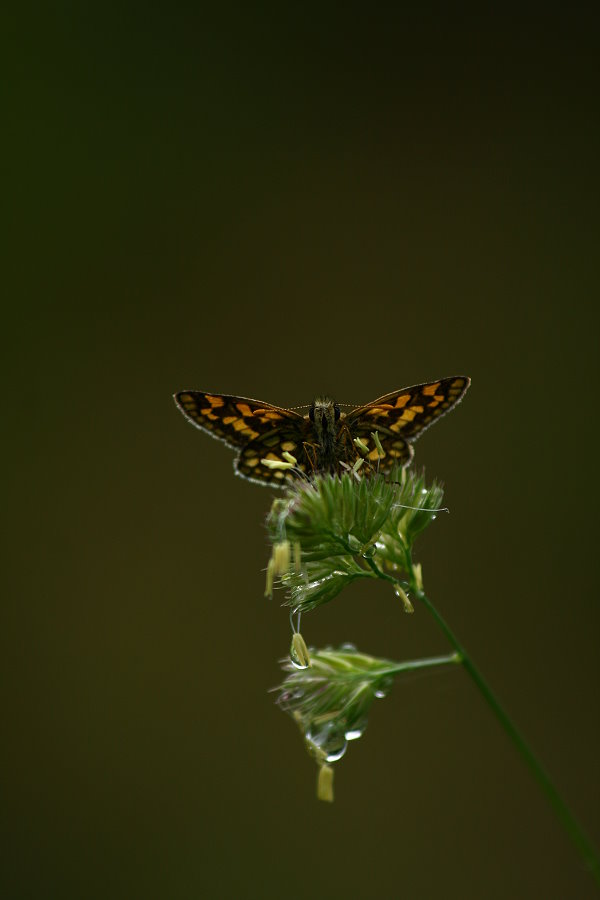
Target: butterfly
[{"x": 276, "y": 445}]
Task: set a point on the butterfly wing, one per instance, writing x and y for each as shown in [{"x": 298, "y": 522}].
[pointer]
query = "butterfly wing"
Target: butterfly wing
[
  {"x": 400, "y": 417},
  {"x": 258, "y": 430},
  {"x": 249, "y": 463}
]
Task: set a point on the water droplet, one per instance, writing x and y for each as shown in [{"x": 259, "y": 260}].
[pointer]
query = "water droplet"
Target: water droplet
[
  {"x": 296, "y": 663},
  {"x": 424, "y": 491},
  {"x": 383, "y": 687},
  {"x": 329, "y": 738},
  {"x": 354, "y": 543},
  {"x": 299, "y": 657},
  {"x": 357, "y": 730},
  {"x": 334, "y": 755},
  {"x": 348, "y": 647},
  {"x": 401, "y": 593}
]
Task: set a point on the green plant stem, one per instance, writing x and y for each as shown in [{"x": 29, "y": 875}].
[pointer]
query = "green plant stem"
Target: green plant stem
[
  {"x": 373, "y": 565},
  {"x": 397, "y": 669},
  {"x": 566, "y": 817},
  {"x": 421, "y": 664}
]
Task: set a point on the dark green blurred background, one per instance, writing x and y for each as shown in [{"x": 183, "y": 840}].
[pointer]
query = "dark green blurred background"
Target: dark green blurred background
[{"x": 278, "y": 203}]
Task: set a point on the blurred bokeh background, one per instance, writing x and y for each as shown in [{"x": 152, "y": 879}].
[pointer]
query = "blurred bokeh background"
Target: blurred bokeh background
[{"x": 280, "y": 202}]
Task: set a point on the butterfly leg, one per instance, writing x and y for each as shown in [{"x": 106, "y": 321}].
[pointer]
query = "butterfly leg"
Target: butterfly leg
[
  {"x": 311, "y": 455},
  {"x": 348, "y": 451}
]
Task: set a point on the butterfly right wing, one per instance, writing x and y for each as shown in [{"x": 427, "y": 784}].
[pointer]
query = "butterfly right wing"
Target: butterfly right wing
[{"x": 400, "y": 417}]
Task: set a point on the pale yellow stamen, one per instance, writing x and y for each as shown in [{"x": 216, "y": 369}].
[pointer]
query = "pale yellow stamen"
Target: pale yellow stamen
[
  {"x": 299, "y": 651},
  {"x": 289, "y": 457},
  {"x": 277, "y": 464},
  {"x": 380, "y": 450},
  {"x": 281, "y": 557},
  {"x": 400, "y": 592},
  {"x": 270, "y": 575},
  {"x": 361, "y": 445},
  {"x": 418, "y": 575},
  {"x": 325, "y": 784}
]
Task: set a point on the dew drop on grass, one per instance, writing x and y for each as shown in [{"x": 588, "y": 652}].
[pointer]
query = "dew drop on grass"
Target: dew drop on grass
[
  {"x": 357, "y": 730},
  {"x": 297, "y": 659},
  {"x": 328, "y": 737},
  {"x": 383, "y": 687}
]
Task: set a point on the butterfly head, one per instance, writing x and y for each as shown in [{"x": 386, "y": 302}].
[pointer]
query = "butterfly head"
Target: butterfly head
[{"x": 324, "y": 411}]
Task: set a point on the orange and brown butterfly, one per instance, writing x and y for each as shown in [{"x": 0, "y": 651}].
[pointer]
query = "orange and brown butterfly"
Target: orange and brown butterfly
[{"x": 276, "y": 445}]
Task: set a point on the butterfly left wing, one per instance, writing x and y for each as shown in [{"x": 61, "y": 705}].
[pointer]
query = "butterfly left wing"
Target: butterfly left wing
[
  {"x": 253, "y": 460},
  {"x": 258, "y": 430},
  {"x": 400, "y": 417}
]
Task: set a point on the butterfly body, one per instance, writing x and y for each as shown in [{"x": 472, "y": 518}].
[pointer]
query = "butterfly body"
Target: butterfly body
[
  {"x": 327, "y": 423},
  {"x": 323, "y": 440}
]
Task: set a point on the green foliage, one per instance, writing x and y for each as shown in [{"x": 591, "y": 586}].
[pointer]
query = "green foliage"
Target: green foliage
[
  {"x": 349, "y": 528},
  {"x": 326, "y": 534},
  {"x": 330, "y": 700}
]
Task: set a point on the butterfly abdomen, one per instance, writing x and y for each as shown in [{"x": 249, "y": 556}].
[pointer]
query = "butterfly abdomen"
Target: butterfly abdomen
[{"x": 325, "y": 415}]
